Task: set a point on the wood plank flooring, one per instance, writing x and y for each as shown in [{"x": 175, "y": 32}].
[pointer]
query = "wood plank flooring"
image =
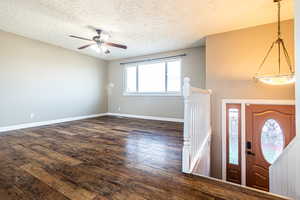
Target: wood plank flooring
[{"x": 104, "y": 158}]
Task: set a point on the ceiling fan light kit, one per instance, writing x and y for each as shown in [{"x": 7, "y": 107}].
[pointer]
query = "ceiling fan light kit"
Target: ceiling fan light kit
[
  {"x": 277, "y": 78},
  {"x": 99, "y": 42}
]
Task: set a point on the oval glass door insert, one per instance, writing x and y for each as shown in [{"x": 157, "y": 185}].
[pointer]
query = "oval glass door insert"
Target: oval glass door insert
[{"x": 272, "y": 140}]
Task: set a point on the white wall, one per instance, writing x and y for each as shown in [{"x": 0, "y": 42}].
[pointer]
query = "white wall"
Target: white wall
[
  {"x": 297, "y": 49},
  {"x": 48, "y": 81},
  {"x": 193, "y": 66},
  {"x": 54, "y": 83},
  {"x": 297, "y": 58}
]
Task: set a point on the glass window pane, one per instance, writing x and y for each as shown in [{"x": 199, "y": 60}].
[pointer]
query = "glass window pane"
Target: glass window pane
[
  {"x": 131, "y": 79},
  {"x": 233, "y": 123},
  {"x": 174, "y": 76},
  {"x": 272, "y": 140},
  {"x": 152, "y": 77}
]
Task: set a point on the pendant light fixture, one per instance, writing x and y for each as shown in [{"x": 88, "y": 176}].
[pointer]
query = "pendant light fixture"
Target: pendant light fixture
[{"x": 278, "y": 78}]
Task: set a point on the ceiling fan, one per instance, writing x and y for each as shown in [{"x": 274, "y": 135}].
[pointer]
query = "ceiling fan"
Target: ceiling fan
[{"x": 99, "y": 42}]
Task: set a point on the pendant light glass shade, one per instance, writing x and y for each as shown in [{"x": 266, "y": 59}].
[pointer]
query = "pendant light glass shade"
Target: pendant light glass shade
[{"x": 277, "y": 78}]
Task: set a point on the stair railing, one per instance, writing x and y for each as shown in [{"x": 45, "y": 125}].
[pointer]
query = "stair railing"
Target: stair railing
[{"x": 197, "y": 128}]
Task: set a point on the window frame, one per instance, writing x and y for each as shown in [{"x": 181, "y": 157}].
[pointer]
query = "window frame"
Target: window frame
[{"x": 165, "y": 93}]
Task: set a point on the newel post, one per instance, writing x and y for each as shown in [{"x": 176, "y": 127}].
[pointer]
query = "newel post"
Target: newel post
[{"x": 186, "y": 135}]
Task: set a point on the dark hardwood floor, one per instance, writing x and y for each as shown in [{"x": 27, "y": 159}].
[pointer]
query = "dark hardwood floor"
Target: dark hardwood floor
[{"x": 104, "y": 158}]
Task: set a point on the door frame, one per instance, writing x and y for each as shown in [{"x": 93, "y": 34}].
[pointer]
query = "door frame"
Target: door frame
[{"x": 243, "y": 103}]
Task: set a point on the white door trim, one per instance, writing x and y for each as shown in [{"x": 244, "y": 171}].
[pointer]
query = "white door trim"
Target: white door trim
[{"x": 243, "y": 103}]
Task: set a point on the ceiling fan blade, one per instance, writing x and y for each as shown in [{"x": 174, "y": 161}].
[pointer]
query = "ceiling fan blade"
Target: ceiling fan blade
[
  {"x": 116, "y": 45},
  {"x": 81, "y": 38},
  {"x": 85, "y": 46}
]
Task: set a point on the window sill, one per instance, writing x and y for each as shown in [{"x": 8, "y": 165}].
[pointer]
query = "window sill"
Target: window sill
[{"x": 177, "y": 94}]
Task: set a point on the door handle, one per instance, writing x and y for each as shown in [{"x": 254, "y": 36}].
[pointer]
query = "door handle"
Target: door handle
[{"x": 250, "y": 153}]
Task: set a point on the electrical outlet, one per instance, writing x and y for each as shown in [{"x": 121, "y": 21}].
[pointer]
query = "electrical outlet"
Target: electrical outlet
[
  {"x": 32, "y": 115},
  {"x": 119, "y": 108}
]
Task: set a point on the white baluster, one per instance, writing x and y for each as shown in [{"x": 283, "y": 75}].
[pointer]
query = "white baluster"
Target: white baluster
[
  {"x": 187, "y": 115},
  {"x": 196, "y": 127}
]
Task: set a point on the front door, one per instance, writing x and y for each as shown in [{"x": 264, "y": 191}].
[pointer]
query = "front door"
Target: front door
[{"x": 269, "y": 129}]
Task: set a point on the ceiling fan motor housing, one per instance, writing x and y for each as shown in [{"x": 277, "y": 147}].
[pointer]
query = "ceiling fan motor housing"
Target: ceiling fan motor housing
[{"x": 99, "y": 31}]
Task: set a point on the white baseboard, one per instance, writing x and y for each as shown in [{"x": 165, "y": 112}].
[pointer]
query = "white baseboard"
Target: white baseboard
[
  {"x": 56, "y": 121},
  {"x": 146, "y": 117}
]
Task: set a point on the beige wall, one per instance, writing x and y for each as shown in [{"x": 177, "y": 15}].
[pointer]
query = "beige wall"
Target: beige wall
[
  {"x": 297, "y": 58},
  {"x": 193, "y": 66},
  {"x": 232, "y": 59},
  {"x": 49, "y": 81}
]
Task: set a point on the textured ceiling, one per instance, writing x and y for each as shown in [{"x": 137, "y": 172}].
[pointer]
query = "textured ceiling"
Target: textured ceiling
[{"x": 145, "y": 26}]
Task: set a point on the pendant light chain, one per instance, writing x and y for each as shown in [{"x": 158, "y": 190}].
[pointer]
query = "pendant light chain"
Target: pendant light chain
[
  {"x": 279, "y": 37},
  {"x": 265, "y": 58},
  {"x": 279, "y": 14},
  {"x": 280, "y": 44},
  {"x": 287, "y": 57}
]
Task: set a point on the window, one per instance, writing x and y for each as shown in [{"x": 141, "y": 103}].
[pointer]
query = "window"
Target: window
[
  {"x": 272, "y": 140},
  {"x": 131, "y": 79},
  {"x": 233, "y": 140},
  {"x": 233, "y": 136},
  {"x": 153, "y": 78}
]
